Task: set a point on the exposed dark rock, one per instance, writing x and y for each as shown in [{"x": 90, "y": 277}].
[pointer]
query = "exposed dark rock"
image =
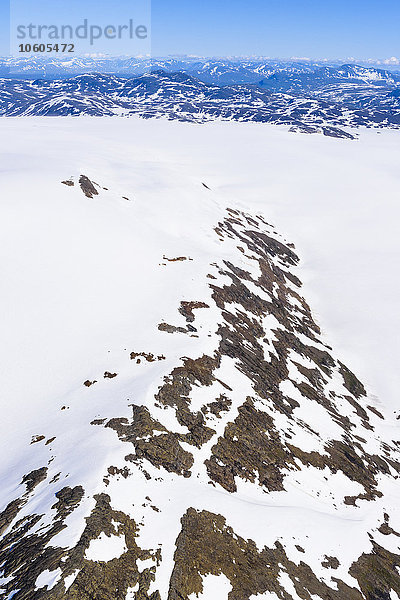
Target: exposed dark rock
[
  {"x": 221, "y": 404},
  {"x": 377, "y": 573},
  {"x": 251, "y": 449},
  {"x": 186, "y": 309},
  {"x": 88, "y": 383},
  {"x": 351, "y": 382},
  {"x": 330, "y": 562},
  {"x": 207, "y": 545},
  {"x": 147, "y": 356},
  {"x": 34, "y": 478},
  {"x": 37, "y": 438},
  {"x": 176, "y": 259},
  {"x": 171, "y": 328},
  {"x": 152, "y": 442},
  {"x": 108, "y": 375},
  {"x": 87, "y": 187}
]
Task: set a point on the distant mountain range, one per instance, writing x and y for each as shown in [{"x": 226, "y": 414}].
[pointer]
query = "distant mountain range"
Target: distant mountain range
[
  {"x": 220, "y": 71},
  {"x": 309, "y": 98}
]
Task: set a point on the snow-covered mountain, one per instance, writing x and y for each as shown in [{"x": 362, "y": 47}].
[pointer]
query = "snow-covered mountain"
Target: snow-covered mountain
[
  {"x": 309, "y": 97},
  {"x": 184, "y": 97},
  {"x": 176, "y": 424},
  {"x": 288, "y": 80}
]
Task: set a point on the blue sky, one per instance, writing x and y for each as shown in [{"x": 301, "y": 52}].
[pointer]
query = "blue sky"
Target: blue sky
[{"x": 275, "y": 28}]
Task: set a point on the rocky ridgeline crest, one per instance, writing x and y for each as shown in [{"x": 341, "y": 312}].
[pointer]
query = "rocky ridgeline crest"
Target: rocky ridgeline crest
[{"x": 269, "y": 409}]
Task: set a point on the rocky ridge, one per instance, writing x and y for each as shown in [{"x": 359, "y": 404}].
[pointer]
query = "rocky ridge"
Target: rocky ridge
[{"x": 262, "y": 459}]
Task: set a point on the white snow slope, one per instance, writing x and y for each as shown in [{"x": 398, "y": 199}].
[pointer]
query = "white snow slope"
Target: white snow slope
[{"x": 84, "y": 282}]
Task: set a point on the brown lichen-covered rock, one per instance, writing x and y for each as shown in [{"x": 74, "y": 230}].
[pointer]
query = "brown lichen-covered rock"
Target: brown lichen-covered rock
[
  {"x": 207, "y": 545},
  {"x": 87, "y": 187}
]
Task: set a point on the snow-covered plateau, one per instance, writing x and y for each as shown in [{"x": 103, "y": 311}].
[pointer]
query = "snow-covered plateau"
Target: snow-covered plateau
[{"x": 199, "y": 361}]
